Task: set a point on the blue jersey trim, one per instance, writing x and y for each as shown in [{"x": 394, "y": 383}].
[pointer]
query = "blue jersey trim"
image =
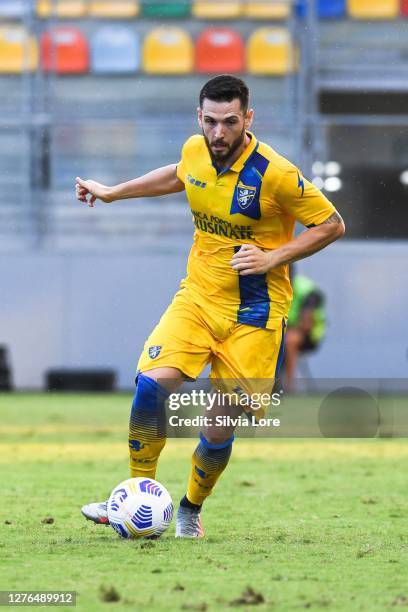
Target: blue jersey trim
[
  {"x": 254, "y": 299},
  {"x": 281, "y": 351},
  {"x": 247, "y": 191}
]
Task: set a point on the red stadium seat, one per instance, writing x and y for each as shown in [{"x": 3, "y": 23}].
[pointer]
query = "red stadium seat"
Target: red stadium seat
[
  {"x": 65, "y": 51},
  {"x": 404, "y": 7},
  {"x": 220, "y": 50}
]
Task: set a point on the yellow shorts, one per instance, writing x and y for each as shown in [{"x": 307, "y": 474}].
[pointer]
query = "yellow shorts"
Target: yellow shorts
[{"x": 189, "y": 337}]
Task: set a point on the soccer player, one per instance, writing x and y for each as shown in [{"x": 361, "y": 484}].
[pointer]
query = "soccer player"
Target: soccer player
[{"x": 232, "y": 307}]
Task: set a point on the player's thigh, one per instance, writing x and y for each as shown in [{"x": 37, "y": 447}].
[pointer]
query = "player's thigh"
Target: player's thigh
[
  {"x": 248, "y": 361},
  {"x": 180, "y": 340},
  {"x": 250, "y": 352}
]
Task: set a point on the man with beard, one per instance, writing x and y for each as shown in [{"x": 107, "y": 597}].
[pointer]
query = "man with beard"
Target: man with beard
[{"x": 232, "y": 307}]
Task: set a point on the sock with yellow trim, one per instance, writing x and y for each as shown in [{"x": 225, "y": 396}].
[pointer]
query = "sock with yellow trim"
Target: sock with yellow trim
[
  {"x": 147, "y": 427},
  {"x": 208, "y": 463}
]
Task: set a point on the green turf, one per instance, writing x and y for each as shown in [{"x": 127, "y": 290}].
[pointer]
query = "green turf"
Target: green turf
[{"x": 304, "y": 524}]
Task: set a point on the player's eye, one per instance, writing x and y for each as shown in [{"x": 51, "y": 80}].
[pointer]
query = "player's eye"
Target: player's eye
[
  {"x": 231, "y": 121},
  {"x": 209, "y": 121}
]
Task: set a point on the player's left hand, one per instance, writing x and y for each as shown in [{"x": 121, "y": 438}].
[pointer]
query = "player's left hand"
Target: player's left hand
[{"x": 251, "y": 260}]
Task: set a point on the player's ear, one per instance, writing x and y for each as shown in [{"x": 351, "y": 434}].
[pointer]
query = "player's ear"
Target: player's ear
[
  {"x": 200, "y": 116},
  {"x": 249, "y": 117}
]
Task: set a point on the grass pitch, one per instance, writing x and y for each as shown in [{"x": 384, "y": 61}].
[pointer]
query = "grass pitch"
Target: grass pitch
[{"x": 292, "y": 524}]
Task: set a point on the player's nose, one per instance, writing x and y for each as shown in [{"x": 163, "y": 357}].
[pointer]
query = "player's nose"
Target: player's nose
[{"x": 219, "y": 131}]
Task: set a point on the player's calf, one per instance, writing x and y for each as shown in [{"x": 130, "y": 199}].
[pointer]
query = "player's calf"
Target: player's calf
[{"x": 147, "y": 427}]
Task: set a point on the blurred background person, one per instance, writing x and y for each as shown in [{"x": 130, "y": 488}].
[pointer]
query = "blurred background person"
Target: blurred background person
[{"x": 306, "y": 324}]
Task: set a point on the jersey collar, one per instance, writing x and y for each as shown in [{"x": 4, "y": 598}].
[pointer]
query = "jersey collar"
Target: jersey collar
[{"x": 241, "y": 161}]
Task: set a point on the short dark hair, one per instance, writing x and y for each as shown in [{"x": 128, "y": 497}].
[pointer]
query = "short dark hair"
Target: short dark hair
[{"x": 225, "y": 88}]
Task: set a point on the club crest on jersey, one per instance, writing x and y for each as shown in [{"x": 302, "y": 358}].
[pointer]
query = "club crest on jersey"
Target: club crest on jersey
[
  {"x": 154, "y": 351},
  {"x": 245, "y": 196}
]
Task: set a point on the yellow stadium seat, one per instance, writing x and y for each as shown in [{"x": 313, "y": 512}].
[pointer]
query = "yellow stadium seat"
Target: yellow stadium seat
[
  {"x": 373, "y": 9},
  {"x": 18, "y": 50},
  {"x": 270, "y": 51},
  {"x": 267, "y": 10},
  {"x": 168, "y": 51},
  {"x": 114, "y": 9},
  {"x": 64, "y": 9},
  {"x": 222, "y": 9}
]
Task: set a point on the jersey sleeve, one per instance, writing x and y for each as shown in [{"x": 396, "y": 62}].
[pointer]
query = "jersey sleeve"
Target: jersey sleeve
[
  {"x": 302, "y": 200},
  {"x": 181, "y": 170},
  {"x": 186, "y": 152}
]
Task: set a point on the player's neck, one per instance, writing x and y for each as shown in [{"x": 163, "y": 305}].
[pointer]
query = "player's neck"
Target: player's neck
[{"x": 237, "y": 154}]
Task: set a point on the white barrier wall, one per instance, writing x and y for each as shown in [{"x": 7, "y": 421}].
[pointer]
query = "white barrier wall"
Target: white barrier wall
[{"x": 96, "y": 310}]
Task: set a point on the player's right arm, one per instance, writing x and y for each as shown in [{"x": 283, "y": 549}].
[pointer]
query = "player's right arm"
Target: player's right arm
[{"x": 161, "y": 181}]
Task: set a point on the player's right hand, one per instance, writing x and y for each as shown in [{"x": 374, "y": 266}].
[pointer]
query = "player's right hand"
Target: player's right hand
[{"x": 97, "y": 191}]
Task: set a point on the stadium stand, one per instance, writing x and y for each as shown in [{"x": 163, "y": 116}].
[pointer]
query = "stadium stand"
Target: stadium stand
[
  {"x": 115, "y": 50},
  {"x": 267, "y": 10},
  {"x": 63, "y": 9},
  {"x": 64, "y": 50},
  {"x": 223, "y": 9},
  {"x": 13, "y": 9},
  {"x": 114, "y": 9},
  {"x": 168, "y": 51},
  {"x": 220, "y": 50},
  {"x": 166, "y": 10},
  {"x": 18, "y": 50},
  {"x": 270, "y": 52},
  {"x": 259, "y": 39},
  {"x": 373, "y": 9}
]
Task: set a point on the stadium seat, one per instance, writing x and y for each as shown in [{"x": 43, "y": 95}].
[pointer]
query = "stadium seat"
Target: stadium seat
[
  {"x": 12, "y": 9},
  {"x": 326, "y": 9},
  {"x": 115, "y": 50},
  {"x": 373, "y": 9},
  {"x": 18, "y": 50},
  {"x": 404, "y": 8},
  {"x": 222, "y": 9},
  {"x": 331, "y": 9},
  {"x": 168, "y": 51},
  {"x": 64, "y": 9},
  {"x": 220, "y": 50},
  {"x": 267, "y": 10},
  {"x": 270, "y": 51},
  {"x": 113, "y": 9},
  {"x": 163, "y": 10},
  {"x": 65, "y": 51}
]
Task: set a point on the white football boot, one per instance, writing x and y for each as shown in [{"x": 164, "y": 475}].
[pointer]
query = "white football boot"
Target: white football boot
[
  {"x": 188, "y": 523},
  {"x": 97, "y": 512}
]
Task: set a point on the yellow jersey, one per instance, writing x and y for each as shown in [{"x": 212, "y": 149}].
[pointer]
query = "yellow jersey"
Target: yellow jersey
[{"x": 255, "y": 201}]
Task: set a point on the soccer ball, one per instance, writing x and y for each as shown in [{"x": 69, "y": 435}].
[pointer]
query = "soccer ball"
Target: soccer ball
[{"x": 139, "y": 508}]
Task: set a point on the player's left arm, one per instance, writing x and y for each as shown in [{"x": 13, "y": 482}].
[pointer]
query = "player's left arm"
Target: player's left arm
[{"x": 308, "y": 205}]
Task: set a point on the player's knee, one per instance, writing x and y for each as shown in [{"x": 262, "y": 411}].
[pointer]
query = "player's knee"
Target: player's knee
[
  {"x": 168, "y": 378},
  {"x": 148, "y": 416},
  {"x": 149, "y": 394}
]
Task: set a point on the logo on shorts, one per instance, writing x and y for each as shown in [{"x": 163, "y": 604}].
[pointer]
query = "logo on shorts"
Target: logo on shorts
[
  {"x": 154, "y": 351},
  {"x": 245, "y": 196}
]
